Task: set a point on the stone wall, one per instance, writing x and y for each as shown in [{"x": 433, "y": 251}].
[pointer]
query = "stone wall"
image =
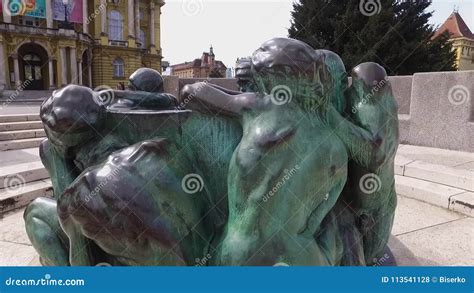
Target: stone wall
[
  {"x": 442, "y": 111},
  {"x": 435, "y": 109}
]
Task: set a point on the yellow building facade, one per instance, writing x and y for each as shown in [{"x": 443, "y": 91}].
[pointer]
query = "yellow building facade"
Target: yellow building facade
[
  {"x": 462, "y": 39},
  {"x": 112, "y": 40}
]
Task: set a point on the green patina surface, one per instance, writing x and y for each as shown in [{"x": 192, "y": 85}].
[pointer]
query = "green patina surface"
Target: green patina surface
[{"x": 271, "y": 182}]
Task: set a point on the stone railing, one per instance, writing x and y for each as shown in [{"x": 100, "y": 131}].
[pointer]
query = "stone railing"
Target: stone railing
[
  {"x": 435, "y": 109},
  {"x": 43, "y": 31}
]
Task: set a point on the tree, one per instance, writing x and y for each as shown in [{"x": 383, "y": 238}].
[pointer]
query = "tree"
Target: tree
[{"x": 394, "y": 33}]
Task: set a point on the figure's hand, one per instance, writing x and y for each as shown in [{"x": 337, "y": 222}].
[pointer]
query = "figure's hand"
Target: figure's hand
[{"x": 192, "y": 90}]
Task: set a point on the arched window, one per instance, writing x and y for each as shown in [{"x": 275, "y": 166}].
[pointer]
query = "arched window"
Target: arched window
[
  {"x": 31, "y": 57},
  {"x": 142, "y": 39},
  {"x": 115, "y": 26},
  {"x": 119, "y": 67}
]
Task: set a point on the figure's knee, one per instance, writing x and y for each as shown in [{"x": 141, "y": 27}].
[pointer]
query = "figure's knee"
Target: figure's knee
[
  {"x": 41, "y": 208},
  {"x": 41, "y": 220}
]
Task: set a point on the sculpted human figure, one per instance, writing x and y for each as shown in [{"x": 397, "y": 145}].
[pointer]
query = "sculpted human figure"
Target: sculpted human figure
[
  {"x": 279, "y": 137},
  {"x": 371, "y": 189},
  {"x": 243, "y": 73},
  {"x": 74, "y": 121},
  {"x": 145, "y": 91},
  {"x": 369, "y": 103},
  {"x": 70, "y": 118},
  {"x": 280, "y": 163},
  {"x": 133, "y": 209}
]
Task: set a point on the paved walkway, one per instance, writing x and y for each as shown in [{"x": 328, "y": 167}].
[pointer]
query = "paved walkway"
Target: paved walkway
[{"x": 423, "y": 235}]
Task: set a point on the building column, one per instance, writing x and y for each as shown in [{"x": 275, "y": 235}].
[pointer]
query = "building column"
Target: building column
[
  {"x": 103, "y": 17},
  {"x": 16, "y": 69},
  {"x": 137, "y": 18},
  {"x": 158, "y": 26},
  {"x": 131, "y": 18},
  {"x": 152, "y": 24},
  {"x": 79, "y": 65},
  {"x": 85, "y": 16},
  {"x": 62, "y": 56},
  {"x": 89, "y": 74},
  {"x": 49, "y": 14},
  {"x": 52, "y": 84},
  {"x": 74, "y": 76},
  {"x": 3, "y": 79}
]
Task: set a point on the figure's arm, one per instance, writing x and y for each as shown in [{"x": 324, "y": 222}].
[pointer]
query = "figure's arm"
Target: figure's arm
[
  {"x": 146, "y": 99},
  {"x": 364, "y": 147},
  {"x": 227, "y": 91},
  {"x": 214, "y": 97}
]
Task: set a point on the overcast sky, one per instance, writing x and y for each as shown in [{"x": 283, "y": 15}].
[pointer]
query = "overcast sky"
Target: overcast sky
[{"x": 238, "y": 27}]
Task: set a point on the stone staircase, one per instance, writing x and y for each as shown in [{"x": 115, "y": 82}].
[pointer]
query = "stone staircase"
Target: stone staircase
[
  {"x": 20, "y": 132},
  {"x": 14, "y": 97},
  {"x": 22, "y": 175},
  {"x": 439, "y": 177}
]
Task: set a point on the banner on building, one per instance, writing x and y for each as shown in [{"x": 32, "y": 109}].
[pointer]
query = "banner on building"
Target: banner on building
[
  {"x": 74, "y": 10},
  {"x": 33, "y": 8}
]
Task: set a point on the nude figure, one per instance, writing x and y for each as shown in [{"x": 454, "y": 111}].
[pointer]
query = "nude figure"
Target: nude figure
[{"x": 303, "y": 135}]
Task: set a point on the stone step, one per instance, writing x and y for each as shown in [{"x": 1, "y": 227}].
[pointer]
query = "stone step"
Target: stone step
[
  {"x": 23, "y": 125},
  {"x": 20, "y": 196},
  {"x": 454, "y": 177},
  {"x": 20, "y": 144},
  {"x": 13, "y": 96},
  {"x": 14, "y": 175},
  {"x": 21, "y": 134},
  {"x": 19, "y": 118},
  {"x": 436, "y": 194}
]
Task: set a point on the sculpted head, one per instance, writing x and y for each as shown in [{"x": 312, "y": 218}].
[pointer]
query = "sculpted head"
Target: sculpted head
[
  {"x": 289, "y": 63},
  {"x": 243, "y": 72},
  {"x": 146, "y": 80},
  {"x": 72, "y": 114}
]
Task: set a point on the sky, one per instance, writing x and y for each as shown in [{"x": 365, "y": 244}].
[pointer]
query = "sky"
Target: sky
[{"x": 236, "y": 28}]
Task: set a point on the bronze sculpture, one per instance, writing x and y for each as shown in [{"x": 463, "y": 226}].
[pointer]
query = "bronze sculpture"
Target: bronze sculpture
[{"x": 273, "y": 174}]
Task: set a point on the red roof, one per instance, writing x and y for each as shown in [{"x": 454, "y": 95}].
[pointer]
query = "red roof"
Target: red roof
[{"x": 456, "y": 27}]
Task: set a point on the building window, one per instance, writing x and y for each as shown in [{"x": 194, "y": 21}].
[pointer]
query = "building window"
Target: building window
[
  {"x": 141, "y": 38},
  {"x": 119, "y": 67},
  {"x": 115, "y": 26}
]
